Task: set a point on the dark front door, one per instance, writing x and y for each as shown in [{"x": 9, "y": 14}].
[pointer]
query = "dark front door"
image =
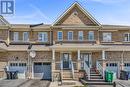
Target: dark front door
[{"x": 66, "y": 60}]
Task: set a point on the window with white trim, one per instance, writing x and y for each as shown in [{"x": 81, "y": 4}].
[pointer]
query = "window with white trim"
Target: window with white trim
[
  {"x": 25, "y": 36},
  {"x": 42, "y": 36},
  {"x": 111, "y": 64},
  {"x": 70, "y": 35},
  {"x": 16, "y": 36},
  {"x": 127, "y": 37},
  {"x": 107, "y": 37},
  {"x": 80, "y": 35},
  {"x": 91, "y": 35},
  {"x": 127, "y": 64},
  {"x": 60, "y": 35}
]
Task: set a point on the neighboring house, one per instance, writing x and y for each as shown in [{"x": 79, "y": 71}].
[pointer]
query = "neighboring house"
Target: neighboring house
[{"x": 76, "y": 41}]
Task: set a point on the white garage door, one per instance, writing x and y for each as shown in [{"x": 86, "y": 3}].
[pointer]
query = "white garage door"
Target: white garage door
[
  {"x": 112, "y": 67},
  {"x": 20, "y": 67},
  {"x": 42, "y": 70}
]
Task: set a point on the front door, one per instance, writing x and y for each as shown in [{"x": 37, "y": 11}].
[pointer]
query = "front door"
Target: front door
[
  {"x": 87, "y": 59},
  {"x": 66, "y": 60}
]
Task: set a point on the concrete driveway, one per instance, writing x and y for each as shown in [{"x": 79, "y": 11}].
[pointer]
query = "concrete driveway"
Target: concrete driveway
[
  {"x": 36, "y": 83},
  {"x": 12, "y": 83},
  {"x": 24, "y": 83}
]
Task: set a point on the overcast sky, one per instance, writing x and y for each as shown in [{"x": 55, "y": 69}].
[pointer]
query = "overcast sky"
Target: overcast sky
[{"x": 113, "y": 12}]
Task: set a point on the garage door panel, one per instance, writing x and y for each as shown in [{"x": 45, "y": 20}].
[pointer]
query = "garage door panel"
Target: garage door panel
[{"x": 42, "y": 70}]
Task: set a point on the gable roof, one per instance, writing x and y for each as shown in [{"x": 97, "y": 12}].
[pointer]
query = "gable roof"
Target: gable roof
[
  {"x": 3, "y": 21},
  {"x": 82, "y": 9}
]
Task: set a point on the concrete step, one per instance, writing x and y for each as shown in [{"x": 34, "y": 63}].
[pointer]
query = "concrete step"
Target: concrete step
[
  {"x": 95, "y": 75},
  {"x": 67, "y": 78},
  {"x": 68, "y": 82},
  {"x": 91, "y": 82}
]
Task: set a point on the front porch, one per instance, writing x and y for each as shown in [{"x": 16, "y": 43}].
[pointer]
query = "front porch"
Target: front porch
[{"x": 72, "y": 61}]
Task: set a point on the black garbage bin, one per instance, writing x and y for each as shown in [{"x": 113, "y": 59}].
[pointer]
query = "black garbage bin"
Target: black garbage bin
[
  {"x": 12, "y": 74},
  {"x": 125, "y": 75}
]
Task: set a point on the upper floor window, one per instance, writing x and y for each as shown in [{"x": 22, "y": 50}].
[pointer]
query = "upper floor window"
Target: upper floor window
[
  {"x": 80, "y": 35},
  {"x": 107, "y": 37},
  {"x": 25, "y": 36},
  {"x": 70, "y": 35},
  {"x": 127, "y": 37},
  {"x": 16, "y": 36},
  {"x": 60, "y": 35},
  {"x": 91, "y": 35},
  {"x": 42, "y": 36}
]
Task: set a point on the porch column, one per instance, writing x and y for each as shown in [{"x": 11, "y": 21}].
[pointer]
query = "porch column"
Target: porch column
[
  {"x": 122, "y": 61},
  {"x": 53, "y": 64},
  {"x": 103, "y": 63},
  {"x": 79, "y": 61},
  {"x": 103, "y": 54}
]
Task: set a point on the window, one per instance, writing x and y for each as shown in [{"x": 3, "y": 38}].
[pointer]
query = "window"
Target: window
[
  {"x": 127, "y": 64},
  {"x": 91, "y": 35},
  {"x": 111, "y": 64},
  {"x": 42, "y": 37},
  {"x": 25, "y": 36},
  {"x": 70, "y": 35},
  {"x": 60, "y": 35},
  {"x": 16, "y": 36},
  {"x": 127, "y": 37},
  {"x": 80, "y": 35},
  {"x": 107, "y": 37}
]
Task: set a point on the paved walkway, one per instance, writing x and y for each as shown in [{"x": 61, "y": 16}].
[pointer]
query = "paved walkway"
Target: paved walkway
[
  {"x": 55, "y": 84},
  {"x": 123, "y": 83}
]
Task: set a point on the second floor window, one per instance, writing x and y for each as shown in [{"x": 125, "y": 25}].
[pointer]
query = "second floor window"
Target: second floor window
[
  {"x": 70, "y": 35},
  {"x": 60, "y": 35},
  {"x": 107, "y": 37},
  {"x": 127, "y": 37},
  {"x": 91, "y": 35},
  {"x": 42, "y": 37},
  {"x": 80, "y": 35},
  {"x": 16, "y": 36},
  {"x": 25, "y": 36}
]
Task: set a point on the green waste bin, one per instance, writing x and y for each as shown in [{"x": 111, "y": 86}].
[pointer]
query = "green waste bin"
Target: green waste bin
[{"x": 108, "y": 76}]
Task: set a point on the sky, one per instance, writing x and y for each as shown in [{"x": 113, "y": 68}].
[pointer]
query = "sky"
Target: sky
[{"x": 112, "y": 12}]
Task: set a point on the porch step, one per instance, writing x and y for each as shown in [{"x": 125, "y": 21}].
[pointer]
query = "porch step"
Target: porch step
[
  {"x": 95, "y": 75},
  {"x": 67, "y": 78},
  {"x": 91, "y": 82},
  {"x": 68, "y": 82},
  {"x": 67, "y": 75}
]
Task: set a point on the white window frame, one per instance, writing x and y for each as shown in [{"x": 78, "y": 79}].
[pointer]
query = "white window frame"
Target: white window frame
[
  {"x": 44, "y": 37},
  {"x": 106, "y": 38},
  {"x": 127, "y": 39},
  {"x": 70, "y": 38},
  {"x": 25, "y": 39},
  {"x": 91, "y": 36},
  {"x": 15, "y": 36},
  {"x": 59, "y": 37},
  {"x": 80, "y": 35}
]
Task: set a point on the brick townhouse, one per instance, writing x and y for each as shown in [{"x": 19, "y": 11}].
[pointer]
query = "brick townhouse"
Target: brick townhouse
[{"x": 75, "y": 41}]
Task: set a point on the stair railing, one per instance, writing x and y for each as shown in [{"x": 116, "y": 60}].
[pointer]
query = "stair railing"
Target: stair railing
[
  {"x": 99, "y": 68},
  {"x": 72, "y": 68},
  {"x": 61, "y": 66},
  {"x": 87, "y": 70}
]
